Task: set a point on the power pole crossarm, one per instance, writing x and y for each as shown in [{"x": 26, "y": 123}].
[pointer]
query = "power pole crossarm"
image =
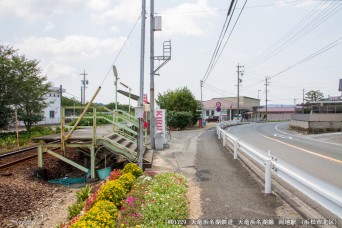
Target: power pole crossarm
[
  {"x": 267, "y": 83},
  {"x": 239, "y": 81}
]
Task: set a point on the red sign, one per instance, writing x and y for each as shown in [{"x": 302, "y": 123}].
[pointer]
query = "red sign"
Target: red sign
[
  {"x": 218, "y": 109},
  {"x": 218, "y": 104},
  {"x": 145, "y": 99}
]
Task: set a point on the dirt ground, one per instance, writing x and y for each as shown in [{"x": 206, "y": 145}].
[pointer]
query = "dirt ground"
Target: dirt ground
[{"x": 29, "y": 202}]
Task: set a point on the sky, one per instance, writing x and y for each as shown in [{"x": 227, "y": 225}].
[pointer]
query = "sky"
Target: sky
[{"x": 271, "y": 38}]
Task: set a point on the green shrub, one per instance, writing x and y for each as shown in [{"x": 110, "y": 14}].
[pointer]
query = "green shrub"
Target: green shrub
[
  {"x": 83, "y": 194},
  {"x": 165, "y": 199},
  {"x": 127, "y": 180},
  {"x": 133, "y": 169},
  {"x": 75, "y": 209},
  {"x": 113, "y": 191},
  {"x": 102, "y": 214},
  {"x": 179, "y": 120}
]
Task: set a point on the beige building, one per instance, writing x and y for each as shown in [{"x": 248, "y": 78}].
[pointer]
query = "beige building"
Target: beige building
[{"x": 228, "y": 108}]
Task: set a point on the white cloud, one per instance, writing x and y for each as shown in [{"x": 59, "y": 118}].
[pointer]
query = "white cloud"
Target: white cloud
[
  {"x": 125, "y": 10},
  {"x": 55, "y": 70},
  {"x": 34, "y": 9},
  {"x": 49, "y": 26},
  {"x": 71, "y": 48},
  {"x": 98, "y": 5},
  {"x": 189, "y": 19},
  {"x": 59, "y": 57}
]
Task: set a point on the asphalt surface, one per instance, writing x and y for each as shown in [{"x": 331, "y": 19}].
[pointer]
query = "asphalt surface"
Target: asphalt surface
[
  {"x": 319, "y": 156},
  {"x": 227, "y": 188}
]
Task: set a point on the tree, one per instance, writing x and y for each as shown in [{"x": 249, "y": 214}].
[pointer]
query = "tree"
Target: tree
[
  {"x": 6, "y": 82},
  {"x": 314, "y": 95},
  {"x": 122, "y": 107},
  {"x": 24, "y": 86},
  {"x": 180, "y": 100}
]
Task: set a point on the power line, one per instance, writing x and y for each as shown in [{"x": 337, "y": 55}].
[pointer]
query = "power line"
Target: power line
[
  {"x": 229, "y": 35},
  {"x": 224, "y": 10},
  {"x": 117, "y": 56},
  {"x": 206, "y": 85},
  {"x": 320, "y": 51},
  {"x": 301, "y": 29},
  {"x": 215, "y": 58},
  {"x": 220, "y": 39}
]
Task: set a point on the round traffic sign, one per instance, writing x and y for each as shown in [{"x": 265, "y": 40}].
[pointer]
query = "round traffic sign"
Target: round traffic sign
[
  {"x": 218, "y": 109},
  {"x": 218, "y": 104}
]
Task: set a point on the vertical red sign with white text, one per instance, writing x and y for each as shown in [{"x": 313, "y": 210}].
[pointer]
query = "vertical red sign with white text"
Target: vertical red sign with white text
[{"x": 160, "y": 120}]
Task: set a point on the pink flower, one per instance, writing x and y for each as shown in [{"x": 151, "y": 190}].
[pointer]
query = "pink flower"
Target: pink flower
[
  {"x": 138, "y": 215},
  {"x": 133, "y": 215}
]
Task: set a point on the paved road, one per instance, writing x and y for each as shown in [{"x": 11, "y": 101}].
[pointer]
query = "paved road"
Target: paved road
[{"x": 318, "y": 155}]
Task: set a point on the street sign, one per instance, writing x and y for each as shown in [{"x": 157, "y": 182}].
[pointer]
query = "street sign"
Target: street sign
[
  {"x": 218, "y": 104},
  {"x": 218, "y": 109}
]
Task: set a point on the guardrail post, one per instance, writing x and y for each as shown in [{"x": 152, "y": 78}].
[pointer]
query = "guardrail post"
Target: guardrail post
[
  {"x": 268, "y": 188},
  {"x": 224, "y": 140},
  {"x": 219, "y": 134},
  {"x": 235, "y": 148}
]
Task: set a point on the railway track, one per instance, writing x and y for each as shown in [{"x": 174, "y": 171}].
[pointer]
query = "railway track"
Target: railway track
[{"x": 16, "y": 161}]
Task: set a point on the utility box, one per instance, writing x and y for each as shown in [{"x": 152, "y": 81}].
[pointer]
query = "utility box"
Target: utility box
[
  {"x": 159, "y": 140},
  {"x": 139, "y": 112},
  {"x": 157, "y": 23}
]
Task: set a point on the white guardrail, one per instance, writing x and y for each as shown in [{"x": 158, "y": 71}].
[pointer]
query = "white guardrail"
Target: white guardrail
[{"x": 328, "y": 196}]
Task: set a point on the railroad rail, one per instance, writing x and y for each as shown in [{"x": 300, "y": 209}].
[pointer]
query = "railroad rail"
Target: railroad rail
[{"x": 12, "y": 153}]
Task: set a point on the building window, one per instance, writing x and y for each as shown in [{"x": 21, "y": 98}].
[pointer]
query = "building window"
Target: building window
[
  {"x": 207, "y": 112},
  {"x": 52, "y": 114},
  {"x": 212, "y": 112}
]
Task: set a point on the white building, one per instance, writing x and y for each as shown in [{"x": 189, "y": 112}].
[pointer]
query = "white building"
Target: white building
[{"x": 52, "y": 113}]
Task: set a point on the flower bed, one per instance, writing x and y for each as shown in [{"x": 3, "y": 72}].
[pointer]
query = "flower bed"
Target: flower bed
[{"x": 131, "y": 198}]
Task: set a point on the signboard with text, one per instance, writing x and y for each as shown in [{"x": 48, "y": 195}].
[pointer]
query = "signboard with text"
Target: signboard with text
[{"x": 160, "y": 117}]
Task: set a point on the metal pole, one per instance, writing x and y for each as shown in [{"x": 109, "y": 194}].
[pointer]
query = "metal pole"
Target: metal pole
[
  {"x": 152, "y": 121},
  {"x": 235, "y": 149},
  {"x": 141, "y": 104},
  {"x": 268, "y": 188},
  {"x": 238, "y": 111},
  {"x": 129, "y": 101}
]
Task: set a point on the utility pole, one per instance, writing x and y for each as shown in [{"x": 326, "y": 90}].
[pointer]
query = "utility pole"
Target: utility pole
[
  {"x": 84, "y": 83},
  {"x": 303, "y": 101},
  {"x": 116, "y": 86},
  {"x": 239, "y": 80},
  {"x": 141, "y": 103},
  {"x": 258, "y": 94},
  {"x": 155, "y": 25},
  {"x": 202, "y": 115},
  {"x": 267, "y": 84},
  {"x": 61, "y": 99},
  {"x": 81, "y": 95},
  {"x": 152, "y": 119}
]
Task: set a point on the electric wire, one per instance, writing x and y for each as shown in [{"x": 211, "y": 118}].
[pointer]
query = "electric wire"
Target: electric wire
[
  {"x": 219, "y": 41},
  {"x": 117, "y": 56},
  {"x": 300, "y": 30},
  {"x": 320, "y": 51},
  {"x": 229, "y": 35},
  {"x": 311, "y": 56},
  {"x": 284, "y": 37},
  {"x": 224, "y": 10}
]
